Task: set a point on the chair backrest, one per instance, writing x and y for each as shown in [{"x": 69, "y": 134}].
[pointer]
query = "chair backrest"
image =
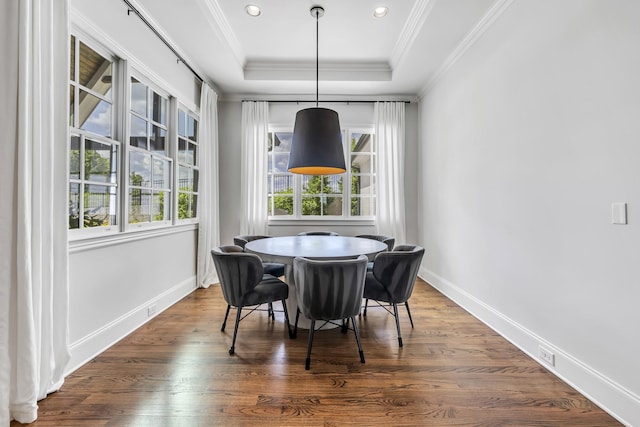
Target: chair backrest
[
  {"x": 239, "y": 272},
  {"x": 387, "y": 240},
  {"x": 397, "y": 270},
  {"x": 329, "y": 289},
  {"x": 244, "y": 239},
  {"x": 318, "y": 233}
]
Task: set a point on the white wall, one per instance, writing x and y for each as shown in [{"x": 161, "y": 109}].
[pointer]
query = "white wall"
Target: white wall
[
  {"x": 283, "y": 115},
  {"x": 229, "y": 122},
  {"x": 525, "y": 143},
  {"x": 125, "y": 34},
  {"x": 114, "y": 280}
]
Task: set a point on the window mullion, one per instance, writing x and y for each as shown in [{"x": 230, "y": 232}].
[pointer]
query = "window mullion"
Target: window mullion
[
  {"x": 172, "y": 137},
  {"x": 124, "y": 119},
  {"x": 82, "y": 182},
  {"x": 346, "y": 180},
  {"x": 297, "y": 196}
]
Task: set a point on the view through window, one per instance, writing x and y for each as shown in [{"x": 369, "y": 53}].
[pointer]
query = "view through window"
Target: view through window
[{"x": 347, "y": 195}]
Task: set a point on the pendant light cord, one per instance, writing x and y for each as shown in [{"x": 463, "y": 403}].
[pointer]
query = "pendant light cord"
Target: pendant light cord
[{"x": 317, "y": 66}]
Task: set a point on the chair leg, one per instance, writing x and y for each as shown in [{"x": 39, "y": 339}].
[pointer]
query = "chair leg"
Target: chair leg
[
  {"x": 366, "y": 302},
  {"x": 286, "y": 318},
  {"x": 307, "y": 362},
  {"x": 355, "y": 331},
  {"x": 224, "y": 323},
  {"x": 395, "y": 314},
  {"x": 235, "y": 333},
  {"x": 345, "y": 325},
  {"x": 270, "y": 312},
  {"x": 406, "y": 304}
]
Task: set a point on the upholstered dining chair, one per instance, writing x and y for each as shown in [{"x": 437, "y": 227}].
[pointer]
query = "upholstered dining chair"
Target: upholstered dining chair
[
  {"x": 274, "y": 268},
  {"x": 318, "y": 233},
  {"x": 329, "y": 290},
  {"x": 387, "y": 240},
  {"x": 244, "y": 284},
  {"x": 392, "y": 279}
]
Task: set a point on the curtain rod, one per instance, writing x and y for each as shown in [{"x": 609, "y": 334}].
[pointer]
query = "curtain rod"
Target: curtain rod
[
  {"x": 152, "y": 28},
  {"x": 321, "y": 101}
]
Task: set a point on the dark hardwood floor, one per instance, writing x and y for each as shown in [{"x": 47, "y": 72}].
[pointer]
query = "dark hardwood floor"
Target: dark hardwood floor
[{"x": 452, "y": 371}]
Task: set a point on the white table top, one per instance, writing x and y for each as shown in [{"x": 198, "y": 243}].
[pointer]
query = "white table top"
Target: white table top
[{"x": 285, "y": 249}]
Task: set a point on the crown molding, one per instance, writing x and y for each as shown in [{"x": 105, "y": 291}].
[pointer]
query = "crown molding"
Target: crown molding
[
  {"x": 471, "y": 38},
  {"x": 417, "y": 17},
  {"x": 302, "y": 99},
  {"x": 219, "y": 24},
  {"x": 328, "y": 71}
]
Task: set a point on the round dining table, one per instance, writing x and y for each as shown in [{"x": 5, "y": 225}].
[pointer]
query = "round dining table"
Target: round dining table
[{"x": 284, "y": 250}]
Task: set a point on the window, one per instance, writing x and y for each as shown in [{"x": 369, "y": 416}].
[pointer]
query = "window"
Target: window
[
  {"x": 187, "y": 165},
  {"x": 93, "y": 153},
  {"x": 322, "y": 196},
  {"x": 149, "y": 166}
]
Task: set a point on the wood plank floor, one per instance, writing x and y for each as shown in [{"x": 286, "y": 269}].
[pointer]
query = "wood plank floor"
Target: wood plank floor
[{"x": 452, "y": 371}]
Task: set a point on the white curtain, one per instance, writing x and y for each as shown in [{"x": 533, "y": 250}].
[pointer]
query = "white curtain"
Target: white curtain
[
  {"x": 255, "y": 128},
  {"x": 208, "y": 203},
  {"x": 34, "y": 79},
  {"x": 389, "y": 130}
]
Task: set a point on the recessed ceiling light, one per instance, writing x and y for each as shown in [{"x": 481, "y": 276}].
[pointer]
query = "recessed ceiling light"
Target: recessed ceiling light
[
  {"x": 252, "y": 10},
  {"x": 380, "y": 12}
]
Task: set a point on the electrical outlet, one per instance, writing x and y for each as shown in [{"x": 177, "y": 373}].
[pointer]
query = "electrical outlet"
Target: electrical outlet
[
  {"x": 151, "y": 310},
  {"x": 547, "y": 356}
]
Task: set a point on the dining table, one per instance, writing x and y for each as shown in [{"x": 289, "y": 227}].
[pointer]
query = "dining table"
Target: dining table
[{"x": 285, "y": 249}]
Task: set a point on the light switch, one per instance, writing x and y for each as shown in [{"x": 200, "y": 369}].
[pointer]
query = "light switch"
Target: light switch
[{"x": 619, "y": 213}]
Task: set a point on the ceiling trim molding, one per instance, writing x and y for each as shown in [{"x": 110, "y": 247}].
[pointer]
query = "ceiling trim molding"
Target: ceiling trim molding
[
  {"x": 417, "y": 17},
  {"x": 483, "y": 25},
  {"x": 218, "y": 22},
  {"x": 328, "y": 71},
  {"x": 304, "y": 99}
]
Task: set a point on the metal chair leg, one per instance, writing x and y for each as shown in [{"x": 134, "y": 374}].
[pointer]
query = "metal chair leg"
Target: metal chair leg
[
  {"x": 355, "y": 331},
  {"x": 406, "y": 304},
  {"x": 307, "y": 362},
  {"x": 345, "y": 325},
  {"x": 366, "y": 302},
  {"x": 270, "y": 311},
  {"x": 235, "y": 332},
  {"x": 395, "y": 314},
  {"x": 224, "y": 323},
  {"x": 286, "y": 318}
]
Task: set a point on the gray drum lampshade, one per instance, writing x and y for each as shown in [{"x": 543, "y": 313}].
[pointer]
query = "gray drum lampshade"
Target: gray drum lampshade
[{"x": 316, "y": 148}]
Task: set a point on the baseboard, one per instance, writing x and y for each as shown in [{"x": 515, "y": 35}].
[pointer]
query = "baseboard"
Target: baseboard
[
  {"x": 621, "y": 403},
  {"x": 88, "y": 347}
]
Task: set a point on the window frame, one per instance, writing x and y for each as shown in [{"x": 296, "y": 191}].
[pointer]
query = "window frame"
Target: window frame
[
  {"x": 297, "y": 183},
  {"x": 83, "y": 134},
  {"x": 194, "y": 167},
  {"x": 169, "y": 151}
]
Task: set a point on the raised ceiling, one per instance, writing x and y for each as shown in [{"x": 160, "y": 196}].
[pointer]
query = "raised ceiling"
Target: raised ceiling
[{"x": 273, "y": 55}]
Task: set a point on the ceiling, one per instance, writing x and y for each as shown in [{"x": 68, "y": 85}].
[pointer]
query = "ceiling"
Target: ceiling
[{"x": 273, "y": 56}]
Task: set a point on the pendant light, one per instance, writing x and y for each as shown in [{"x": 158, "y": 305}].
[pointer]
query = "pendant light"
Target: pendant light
[{"x": 316, "y": 148}]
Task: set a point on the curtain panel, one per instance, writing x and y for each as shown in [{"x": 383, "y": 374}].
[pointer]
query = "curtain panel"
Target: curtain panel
[
  {"x": 208, "y": 192},
  {"x": 255, "y": 132},
  {"x": 34, "y": 278},
  {"x": 389, "y": 119}
]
